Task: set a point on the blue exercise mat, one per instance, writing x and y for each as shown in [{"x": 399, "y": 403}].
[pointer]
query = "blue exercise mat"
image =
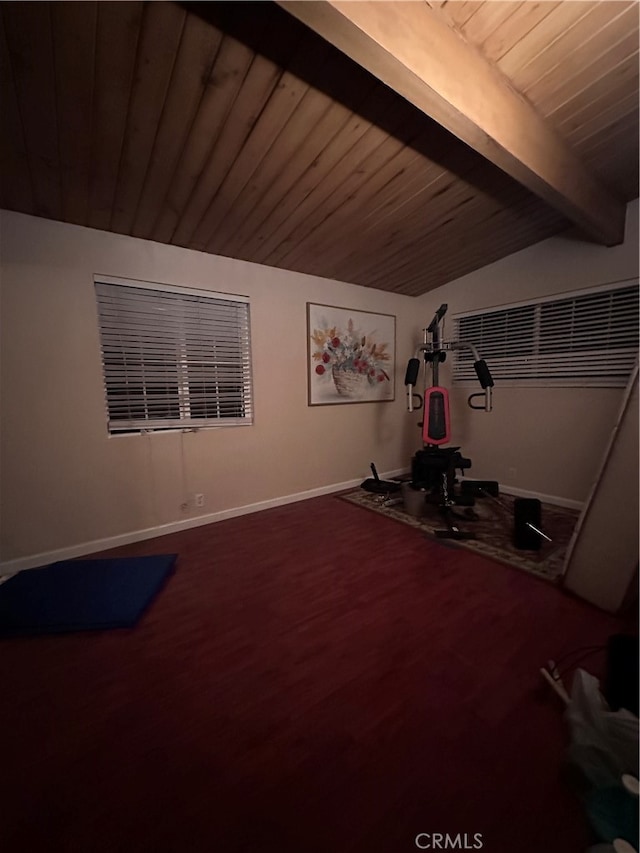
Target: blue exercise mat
[{"x": 81, "y": 595}]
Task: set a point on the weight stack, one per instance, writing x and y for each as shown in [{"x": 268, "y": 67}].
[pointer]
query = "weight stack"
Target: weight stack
[{"x": 526, "y": 511}]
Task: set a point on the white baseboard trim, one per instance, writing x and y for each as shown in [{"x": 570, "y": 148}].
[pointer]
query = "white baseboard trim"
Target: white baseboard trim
[
  {"x": 34, "y": 561},
  {"x": 545, "y": 499}
]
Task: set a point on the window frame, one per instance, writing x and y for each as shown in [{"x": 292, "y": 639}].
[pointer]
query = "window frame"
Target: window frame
[
  {"x": 183, "y": 367},
  {"x": 542, "y": 375}
]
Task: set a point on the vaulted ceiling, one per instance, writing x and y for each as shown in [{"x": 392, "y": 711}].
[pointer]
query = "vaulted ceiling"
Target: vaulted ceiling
[{"x": 396, "y": 145}]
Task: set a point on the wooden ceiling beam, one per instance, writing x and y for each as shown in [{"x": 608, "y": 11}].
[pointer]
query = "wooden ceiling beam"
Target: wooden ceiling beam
[{"x": 411, "y": 48}]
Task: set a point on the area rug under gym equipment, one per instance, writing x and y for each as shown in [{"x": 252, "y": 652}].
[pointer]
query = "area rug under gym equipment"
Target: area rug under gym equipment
[
  {"x": 493, "y": 529},
  {"x": 81, "y": 595}
]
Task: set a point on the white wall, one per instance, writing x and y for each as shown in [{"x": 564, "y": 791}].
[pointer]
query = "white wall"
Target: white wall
[
  {"x": 65, "y": 482},
  {"x": 602, "y": 563},
  {"x": 547, "y": 441}
]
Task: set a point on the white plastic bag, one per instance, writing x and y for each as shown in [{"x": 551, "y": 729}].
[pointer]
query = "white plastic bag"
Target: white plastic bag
[{"x": 604, "y": 743}]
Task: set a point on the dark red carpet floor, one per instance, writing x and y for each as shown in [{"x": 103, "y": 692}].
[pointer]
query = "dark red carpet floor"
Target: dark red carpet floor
[{"x": 312, "y": 679}]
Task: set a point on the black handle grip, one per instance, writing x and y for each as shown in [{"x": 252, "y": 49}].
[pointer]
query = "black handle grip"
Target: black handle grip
[
  {"x": 482, "y": 371},
  {"x": 413, "y": 369},
  {"x": 472, "y": 397}
]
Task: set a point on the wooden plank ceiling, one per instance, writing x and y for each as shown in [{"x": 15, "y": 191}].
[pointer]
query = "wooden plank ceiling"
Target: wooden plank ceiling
[{"x": 233, "y": 128}]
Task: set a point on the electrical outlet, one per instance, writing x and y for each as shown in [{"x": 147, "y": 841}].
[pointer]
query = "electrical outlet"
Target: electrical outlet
[
  {"x": 184, "y": 506},
  {"x": 199, "y": 500}
]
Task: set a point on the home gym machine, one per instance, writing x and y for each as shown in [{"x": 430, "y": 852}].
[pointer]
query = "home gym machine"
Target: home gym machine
[{"x": 433, "y": 469}]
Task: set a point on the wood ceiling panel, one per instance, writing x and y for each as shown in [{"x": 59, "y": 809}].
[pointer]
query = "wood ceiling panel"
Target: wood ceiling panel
[
  {"x": 314, "y": 123},
  {"x": 460, "y": 11},
  {"x": 409, "y": 47},
  {"x": 619, "y": 171},
  {"x": 74, "y": 33},
  {"x": 273, "y": 122},
  {"x": 15, "y": 179},
  {"x": 450, "y": 202},
  {"x": 262, "y": 184},
  {"x": 413, "y": 178},
  {"x": 345, "y": 159},
  {"x": 569, "y": 41},
  {"x": 118, "y": 24},
  {"x": 448, "y": 256},
  {"x": 375, "y": 232},
  {"x": 289, "y": 182},
  {"x": 426, "y": 270},
  {"x": 332, "y": 228},
  {"x": 351, "y": 131},
  {"x": 346, "y": 195},
  {"x": 406, "y": 209},
  {"x": 161, "y": 33},
  {"x": 599, "y": 94},
  {"x": 515, "y": 28},
  {"x": 623, "y": 132},
  {"x": 262, "y": 77},
  {"x": 487, "y": 20},
  {"x": 579, "y": 68},
  {"x": 446, "y": 199},
  {"x": 477, "y": 256},
  {"x": 30, "y": 47},
  {"x": 570, "y": 83},
  {"x": 231, "y": 66},
  {"x": 191, "y": 74},
  {"x": 385, "y": 191},
  {"x": 503, "y": 232},
  {"x": 588, "y": 123},
  {"x": 419, "y": 186},
  {"x": 327, "y": 240},
  {"x": 381, "y": 249},
  {"x": 231, "y": 128},
  {"x": 453, "y": 206},
  {"x": 255, "y": 90},
  {"x": 546, "y": 31}
]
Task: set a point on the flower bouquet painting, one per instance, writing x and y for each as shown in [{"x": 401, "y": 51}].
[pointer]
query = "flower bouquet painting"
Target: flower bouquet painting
[{"x": 351, "y": 355}]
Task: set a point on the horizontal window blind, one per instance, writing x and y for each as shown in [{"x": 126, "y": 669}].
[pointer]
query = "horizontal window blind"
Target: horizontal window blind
[
  {"x": 587, "y": 338},
  {"x": 172, "y": 358}
]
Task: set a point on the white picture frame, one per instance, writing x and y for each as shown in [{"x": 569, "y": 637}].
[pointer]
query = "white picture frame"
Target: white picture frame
[{"x": 351, "y": 356}]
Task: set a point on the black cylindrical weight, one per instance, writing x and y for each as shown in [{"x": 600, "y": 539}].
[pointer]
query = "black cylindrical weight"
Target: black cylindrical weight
[{"x": 526, "y": 511}]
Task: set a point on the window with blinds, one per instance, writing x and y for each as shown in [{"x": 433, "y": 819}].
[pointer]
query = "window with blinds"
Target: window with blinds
[
  {"x": 173, "y": 358},
  {"x": 584, "y": 338}
]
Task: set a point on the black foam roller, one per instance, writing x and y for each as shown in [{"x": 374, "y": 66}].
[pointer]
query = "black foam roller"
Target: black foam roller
[
  {"x": 413, "y": 369},
  {"x": 483, "y": 373}
]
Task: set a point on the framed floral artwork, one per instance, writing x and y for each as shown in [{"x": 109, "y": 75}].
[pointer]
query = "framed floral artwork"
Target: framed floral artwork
[{"x": 351, "y": 355}]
